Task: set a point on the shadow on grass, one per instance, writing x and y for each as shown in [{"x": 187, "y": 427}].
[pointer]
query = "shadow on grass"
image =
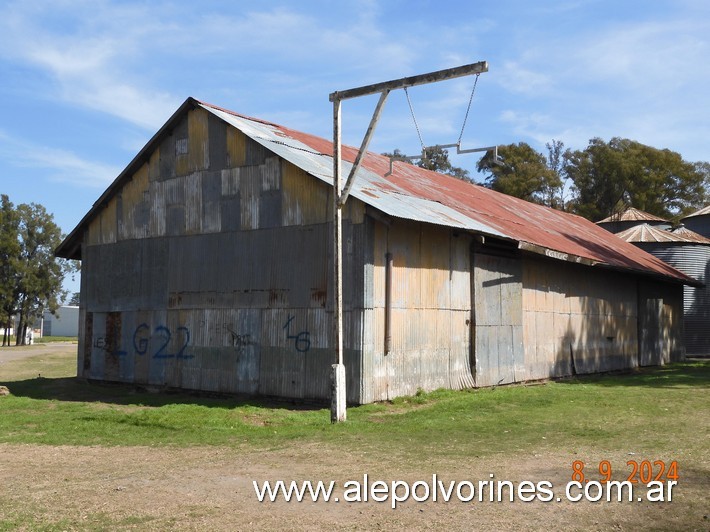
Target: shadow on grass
[
  {"x": 691, "y": 373},
  {"x": 79, "y": 390},
  {"x": 678, "y": 375}
]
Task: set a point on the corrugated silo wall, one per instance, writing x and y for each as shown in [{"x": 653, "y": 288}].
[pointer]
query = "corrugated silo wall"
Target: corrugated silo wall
[
  {"x": 693, "y": 260},
  {"x": 429, "y": 307},
  {"x": 699, "y": 224},
  {"x": 210, "y": 271}
]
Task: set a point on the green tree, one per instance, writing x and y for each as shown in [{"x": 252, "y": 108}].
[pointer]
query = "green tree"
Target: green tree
[
  {"x": 39, "y": 274},
  {"x": 437, "y": 160},
  {"x": 525, "y": 173},
  {"x": 9, "y": 264},
  {"x": 607, "y": 177}
]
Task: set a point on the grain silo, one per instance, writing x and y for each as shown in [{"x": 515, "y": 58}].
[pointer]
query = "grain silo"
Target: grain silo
[
  {"x": 688, "y": 252},
  {"x": 699, "y": 221},
  {"x": 632, "y": 217}
]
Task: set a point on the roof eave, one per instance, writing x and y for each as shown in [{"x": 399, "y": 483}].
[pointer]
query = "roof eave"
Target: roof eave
[{"x": 576, "y": 259}]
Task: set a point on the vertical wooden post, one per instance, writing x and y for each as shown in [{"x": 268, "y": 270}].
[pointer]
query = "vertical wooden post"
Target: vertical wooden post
[
  {"x": 388, "y": 303},
  {"x": 338, "y": 392},
  {"x": 340, "y": 196}
]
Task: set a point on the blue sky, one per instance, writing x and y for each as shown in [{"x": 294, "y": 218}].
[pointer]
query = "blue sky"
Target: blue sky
[{"x": 85, "y": 84}]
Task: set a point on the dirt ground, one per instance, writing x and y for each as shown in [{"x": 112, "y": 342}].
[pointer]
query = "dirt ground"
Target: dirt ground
[
  {"x": 18, "y": 352},
  {"x": 211, "y": 488}
]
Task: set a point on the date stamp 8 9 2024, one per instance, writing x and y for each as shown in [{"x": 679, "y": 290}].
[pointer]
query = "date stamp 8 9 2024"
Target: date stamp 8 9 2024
[{"x": 645, "y": 471}]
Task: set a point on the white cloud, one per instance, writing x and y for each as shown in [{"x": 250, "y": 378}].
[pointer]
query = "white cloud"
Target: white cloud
[
  {"x": 58, "y": 165},
  {"x": 88, "y": 66}
]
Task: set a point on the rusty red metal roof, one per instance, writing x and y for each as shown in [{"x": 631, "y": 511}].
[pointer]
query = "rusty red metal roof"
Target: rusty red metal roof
[{"x": 417, "y": 194}]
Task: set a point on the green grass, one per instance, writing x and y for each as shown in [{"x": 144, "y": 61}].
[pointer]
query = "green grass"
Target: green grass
[
  {"x": 51, "y": 339},
  {"x": 658, "y": 409}
]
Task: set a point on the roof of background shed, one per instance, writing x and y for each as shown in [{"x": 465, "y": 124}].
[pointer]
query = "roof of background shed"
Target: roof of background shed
[
  {"x": 632, "y": 215},
  {"x": 417, "y": 194},
  {"x": 701, "y": 212}
]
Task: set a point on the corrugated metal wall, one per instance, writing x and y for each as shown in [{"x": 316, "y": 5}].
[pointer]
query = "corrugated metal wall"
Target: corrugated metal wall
[
  {"x": 693, "y": 260},
  {"x": 498, "y": 319},
  {"x": 431, "y": 310},
  {"x": 577, "y": 319},
  {"x": 210, "y": 271},
  {"x": 660, "y": 323}
]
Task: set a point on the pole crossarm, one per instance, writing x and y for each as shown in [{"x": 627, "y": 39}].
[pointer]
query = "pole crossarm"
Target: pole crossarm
[{"x": 411, "y": 81}]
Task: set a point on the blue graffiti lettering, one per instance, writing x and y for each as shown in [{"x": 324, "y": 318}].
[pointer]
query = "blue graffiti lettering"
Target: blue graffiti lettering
[{"x": 302, "y": 340}]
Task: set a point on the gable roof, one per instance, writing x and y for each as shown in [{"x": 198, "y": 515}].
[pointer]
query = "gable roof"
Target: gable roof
[{"x": 418, "y": 194}]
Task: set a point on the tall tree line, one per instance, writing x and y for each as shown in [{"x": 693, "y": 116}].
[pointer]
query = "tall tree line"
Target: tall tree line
[
  {"x": 31, "y": 276},
  {"x": 600, "y": 180}
]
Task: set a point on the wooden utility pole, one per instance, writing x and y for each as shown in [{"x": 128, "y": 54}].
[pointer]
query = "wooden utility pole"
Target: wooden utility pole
[{"x": 340, "y": 196}]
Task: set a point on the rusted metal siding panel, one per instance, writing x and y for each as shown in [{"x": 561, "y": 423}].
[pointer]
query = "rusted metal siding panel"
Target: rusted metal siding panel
[
  {"x": 193, "y": 204},
  {"x": 134, "y": 206},
  {"x": 103, "y": 229},
  {"x": 250, "y": 193},
  {"x": 304, "y": 199},
  {"x": 660, "y": 323},
  {"x": 236, "y": 148}
]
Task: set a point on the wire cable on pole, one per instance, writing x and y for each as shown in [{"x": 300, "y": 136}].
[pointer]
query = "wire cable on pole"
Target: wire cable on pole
[
  {"x": 465, "y": 118},
  {"x": 414, "y": 118}
]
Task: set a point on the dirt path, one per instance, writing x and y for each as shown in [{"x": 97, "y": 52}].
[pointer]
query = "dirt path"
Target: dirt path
[
  {"x": 211, "y": 488},
  {"x": 25, "y": 351}
]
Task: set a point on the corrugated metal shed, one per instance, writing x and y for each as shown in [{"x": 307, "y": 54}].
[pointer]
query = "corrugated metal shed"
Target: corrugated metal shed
[
  {"x": 417, "y": 194},
  {"x": 631, "y": 217}
]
